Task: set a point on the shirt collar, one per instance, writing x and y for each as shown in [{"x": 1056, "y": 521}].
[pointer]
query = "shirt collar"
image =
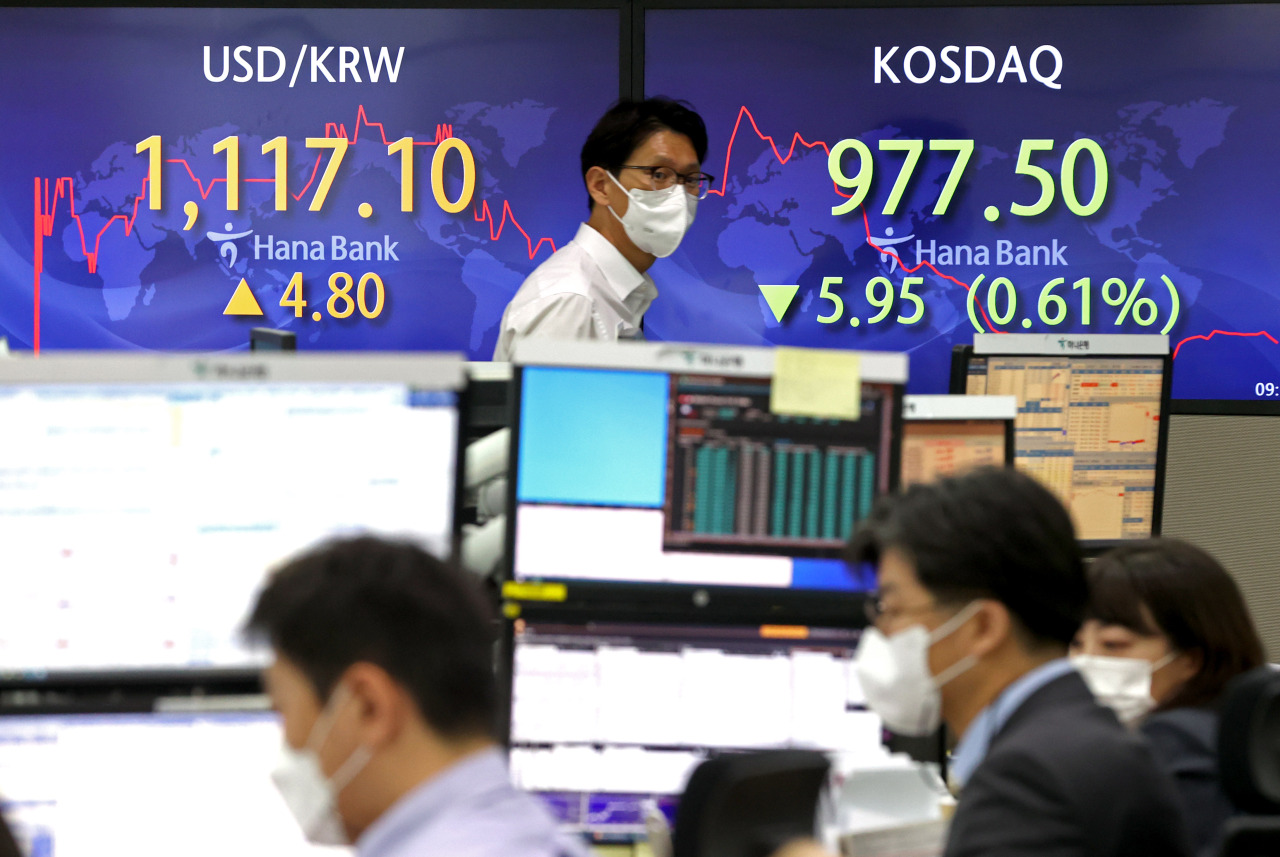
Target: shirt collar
[
  {"x": 621, "y": 276},
  {"x": 474, "y": 776},
  {"x": 973, "y": 747}
]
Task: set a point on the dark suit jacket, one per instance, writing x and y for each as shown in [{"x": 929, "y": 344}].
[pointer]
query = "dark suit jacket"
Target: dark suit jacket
[
  {"x": 1063, "y": 778},
  {"x": 8, "y": 847},
  {"x": 1184, "y": 742}
]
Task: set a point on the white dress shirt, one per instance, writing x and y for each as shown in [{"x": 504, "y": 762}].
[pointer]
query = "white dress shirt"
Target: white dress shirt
[
  {"x": 586, "y": 290},
  {"x": 469, "y": 810}
]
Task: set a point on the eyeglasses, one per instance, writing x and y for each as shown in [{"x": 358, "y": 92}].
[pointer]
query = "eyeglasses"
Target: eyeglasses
[
  {"x": 661, "y": 178},
  {"x": 876, "y": 612}
]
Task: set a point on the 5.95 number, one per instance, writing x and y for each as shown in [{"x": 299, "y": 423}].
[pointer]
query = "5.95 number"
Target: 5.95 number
[{"x": 879, "y": 294}]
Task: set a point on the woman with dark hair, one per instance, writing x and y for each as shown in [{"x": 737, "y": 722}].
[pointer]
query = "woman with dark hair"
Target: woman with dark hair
[{"x": 1165, "y": 630}]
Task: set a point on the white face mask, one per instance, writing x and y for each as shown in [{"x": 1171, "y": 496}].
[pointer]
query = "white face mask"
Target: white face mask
[
  {"x": 1121, "y": 684},
  {"x": 895, "y": 677},
  {"x": 311, "y": 797},
  {"x": 656, "y": 220}
]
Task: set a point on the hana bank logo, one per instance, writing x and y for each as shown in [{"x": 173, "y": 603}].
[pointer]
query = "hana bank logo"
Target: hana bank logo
[
  {"x": 226, "y": 240},
  {"x": 694, "y": 358},
  {"x": 205, "y": 371}
]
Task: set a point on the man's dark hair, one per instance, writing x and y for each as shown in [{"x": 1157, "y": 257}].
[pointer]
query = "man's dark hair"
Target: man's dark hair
[
  {"x": 1171, "y": 587},
  {"x": 394, "y": 605},
  {"x": 629, "y": 123},
  {"x": 991, "y": 533}
]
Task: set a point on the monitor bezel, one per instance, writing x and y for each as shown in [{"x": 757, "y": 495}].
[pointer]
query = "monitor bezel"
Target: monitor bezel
[
  {"x": 962, "y": 410},
  {"x": 1111, "y": 347},
  {"x": 743, "y": 613},
  {"x": 1226, "y": 407},
  {"x": 631, "y": 598},
  {"x": 442, "y": 372}
]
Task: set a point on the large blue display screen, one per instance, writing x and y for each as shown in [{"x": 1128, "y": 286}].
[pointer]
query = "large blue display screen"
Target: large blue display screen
[
  {"x": 1101, "y": 168},
  {"x": 295, "y": 153}
]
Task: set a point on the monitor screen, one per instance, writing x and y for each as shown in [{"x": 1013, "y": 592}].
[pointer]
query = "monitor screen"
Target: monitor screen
[
  {"x": 608, "y": 716},
  {"x": 139, "y": 515},
  {"x": 932, "y": 449},
  {"x": 1089, "y": 429},
  {"x": 367, "y": 178},
  {"x": 671, "y": 476},
  {"x": 147, "y": 785},
  {"x": 1220, "y": 495},
  {"x": 1049, "y": 167}
]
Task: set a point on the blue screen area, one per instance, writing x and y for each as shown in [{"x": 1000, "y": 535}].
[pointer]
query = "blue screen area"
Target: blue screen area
[
  {"x": 593, "y": 437},
  {"x": 521, "y": 88},
  {"x": 1178, "y": 101},
  {"x": 830, "y": 574}
]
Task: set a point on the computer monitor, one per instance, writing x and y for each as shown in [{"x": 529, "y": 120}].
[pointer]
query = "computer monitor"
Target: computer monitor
[
  {"x": 151, "y": 784},
  {"x": 488, "y": 399},
  {"x": 1090, "y": 421},
  {"x": 270, "y": 339},
  {"x": 657, "y": 463},
  {"x": 143, "y": 498},
  {"x": 607, "y": 716},
  {"x": 1219, "y": 494},
  {"x": 946, "y": 435}
]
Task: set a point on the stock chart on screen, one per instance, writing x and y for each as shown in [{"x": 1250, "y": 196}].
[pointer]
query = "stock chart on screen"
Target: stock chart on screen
[
  {"x": 901, "y": 179},
  {"x": 368, "y": 179}
]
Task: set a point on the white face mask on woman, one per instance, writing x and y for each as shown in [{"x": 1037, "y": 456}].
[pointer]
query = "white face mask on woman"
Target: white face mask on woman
[
  {"x": 895, "y": 677},
  {"x": 1121, "y": 684},
  {"x": 311, "y": 797},
  {"x": 656, "y": 220}
]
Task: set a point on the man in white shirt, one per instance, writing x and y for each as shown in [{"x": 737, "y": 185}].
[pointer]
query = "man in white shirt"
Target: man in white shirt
[{"x": 642, "y": 167}]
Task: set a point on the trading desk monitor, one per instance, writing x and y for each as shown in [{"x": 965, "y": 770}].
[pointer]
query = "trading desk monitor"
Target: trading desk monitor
[
  {"x": 1089, "y": 422},
  {"x": 607, "y": 716},
  {"x": 947, "y": 435},
  {"x": 147, "y": 785},
  {"x": 142, "y": 499},
  {"x": 269, "y": 339},
  {"x": 653, "y": 463},
  {"x": 1220, "y": 495}
]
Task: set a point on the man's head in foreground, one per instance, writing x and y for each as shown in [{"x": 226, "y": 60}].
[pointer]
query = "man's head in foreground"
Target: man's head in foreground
[
  {"x": 980, "y": 581},
  {"x": 382, "y": 676}
]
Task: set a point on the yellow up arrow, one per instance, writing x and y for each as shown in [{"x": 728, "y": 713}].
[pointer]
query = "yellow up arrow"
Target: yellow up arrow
[{"x": 242, "y": 302}]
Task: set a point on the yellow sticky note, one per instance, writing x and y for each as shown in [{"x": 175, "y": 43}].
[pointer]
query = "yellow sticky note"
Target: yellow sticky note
[
  {"x": 532, "y": 591},
  {"x": 816, "y": 382}
]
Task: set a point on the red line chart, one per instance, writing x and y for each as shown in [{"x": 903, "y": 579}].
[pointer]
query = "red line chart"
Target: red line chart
[
  {"x": 798, "y": 140},
  {"x": 1212, "y": 334},
  {"x": 49, "y": 193}
]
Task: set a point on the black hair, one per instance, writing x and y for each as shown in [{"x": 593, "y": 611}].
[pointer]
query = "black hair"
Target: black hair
[
  {"x": 1171, "y": 587},
  {"x": 392, "y": 604},
  {"x": 990, "y": 533},
  {"x": 626, "y": 126}
]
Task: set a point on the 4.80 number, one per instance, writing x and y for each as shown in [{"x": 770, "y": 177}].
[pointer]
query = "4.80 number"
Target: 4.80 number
[{"x": 341, "y": 304}]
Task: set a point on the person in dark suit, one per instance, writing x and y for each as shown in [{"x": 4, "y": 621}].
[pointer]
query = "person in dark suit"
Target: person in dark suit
[
  {"x": 8, "y": 846},
  {"x": 981, "y": 589},
  {"x": 1165, "y": 631}
]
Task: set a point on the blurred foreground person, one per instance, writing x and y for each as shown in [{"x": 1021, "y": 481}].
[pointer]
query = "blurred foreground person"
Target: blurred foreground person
[
  {"x": 383, "y": 677},
  {"x": 981, "y": 589},
  {"x": 1165, "y": 631}
]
